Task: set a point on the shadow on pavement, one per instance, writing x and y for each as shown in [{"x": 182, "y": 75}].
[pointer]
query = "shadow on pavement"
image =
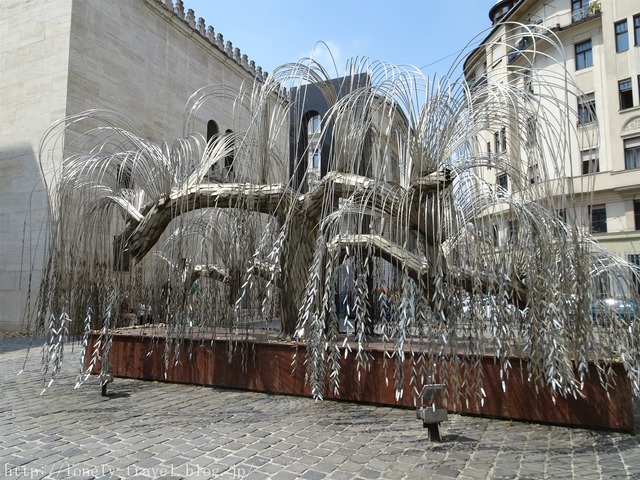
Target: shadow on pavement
[{"x": 12, "y": 344}]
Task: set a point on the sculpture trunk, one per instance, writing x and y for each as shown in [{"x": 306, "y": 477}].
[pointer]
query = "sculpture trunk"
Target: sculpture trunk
[{"x": 294, "y": 267}]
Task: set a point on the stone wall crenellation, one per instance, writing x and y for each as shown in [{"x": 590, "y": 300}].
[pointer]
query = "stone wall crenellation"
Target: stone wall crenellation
[
  {"x": 217, "y": 41},
  {"x": 179, "y": 9}
]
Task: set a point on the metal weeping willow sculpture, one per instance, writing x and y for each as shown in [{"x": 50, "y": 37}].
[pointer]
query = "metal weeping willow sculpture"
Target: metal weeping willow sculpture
[{"x": 402, "y": 228}]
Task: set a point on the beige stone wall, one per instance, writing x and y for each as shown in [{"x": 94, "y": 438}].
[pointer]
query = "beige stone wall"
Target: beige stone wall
[
  {"x": 34, "y": 41},
  {"x": 135, "y": 57},
  {"x": 142, "y": 60}
]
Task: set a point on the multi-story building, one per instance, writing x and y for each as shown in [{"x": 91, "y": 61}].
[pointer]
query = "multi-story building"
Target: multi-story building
[
  {"x": 317, "y": 146},
  {"x": 309, "y": 142},
  {"x": 582, "y": 57},
  {"x": 143, "y": 59}
]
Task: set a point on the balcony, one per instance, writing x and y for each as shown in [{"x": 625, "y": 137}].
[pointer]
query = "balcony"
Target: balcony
[
  {"x": 479, "y": 82},
  {"x": 518, "y": 49},
  {"x": 558, "y": 22},
  {"x": 585, "y": 13}
]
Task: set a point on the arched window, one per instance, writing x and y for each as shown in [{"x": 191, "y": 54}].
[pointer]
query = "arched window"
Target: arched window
[
  {"x": 314, "y": 158},
  {"x": 124, "y": 176},
  {"x": 212, "y": 129},
  {"x": 314, "y": 145},
  {"x": 228, "y": 160},
  {"x": 313, "y": 125}
]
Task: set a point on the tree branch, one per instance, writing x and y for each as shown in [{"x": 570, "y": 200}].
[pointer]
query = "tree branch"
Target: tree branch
[
  {"x": 262, "y": 269},
  {"x": 418, "y": 267},
  {"x": 142, "y": 235},
  {"x": 383, "y": 248}
]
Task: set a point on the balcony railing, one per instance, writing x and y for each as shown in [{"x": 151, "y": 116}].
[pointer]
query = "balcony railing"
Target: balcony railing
[
  {"x": 479, "y": 82},
  {"x": 555, "y": 22},
  {"x": 518, "y": 49},
  {"x": 584, "y": 13}
]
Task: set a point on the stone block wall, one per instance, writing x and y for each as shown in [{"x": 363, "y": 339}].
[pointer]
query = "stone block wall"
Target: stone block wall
[
  {"x": 34, "y": 42},
  {"x": 140, "y": 58}
]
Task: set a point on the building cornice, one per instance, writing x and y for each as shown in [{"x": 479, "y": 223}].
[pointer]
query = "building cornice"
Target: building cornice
[{"x": 198, "y": 28}]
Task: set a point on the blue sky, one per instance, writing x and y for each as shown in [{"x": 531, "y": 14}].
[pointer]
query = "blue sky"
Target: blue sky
[{"x": 425, "y": 33}]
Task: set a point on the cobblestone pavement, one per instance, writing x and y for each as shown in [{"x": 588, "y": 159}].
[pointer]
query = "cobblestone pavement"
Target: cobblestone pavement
[{"x": 154, "y": 430}]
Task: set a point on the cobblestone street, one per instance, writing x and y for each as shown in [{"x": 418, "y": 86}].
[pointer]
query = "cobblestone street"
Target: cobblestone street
[{"x": 155, "y": 430}]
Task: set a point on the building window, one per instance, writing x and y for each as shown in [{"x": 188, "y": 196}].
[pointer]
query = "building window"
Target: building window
[
  {"x": 212, "y": 132},
  {"x": 579, "y": 9},
  {"x": 230, "y": 158},
  {"x": 586, "y": 109},
  {"x": 562, "y": 215},
  {"x": 123, "y": 176},
  {"x": 513, "y": 230},
  {"x": 121, "y": 258},
  {"x": 533, "y": 174},
  {"x": 584, "y": 55},
  {"x": 500, "y": 140},
  {"x": 212, "y": 129},
  {"x": 496, "y": 58},
  {"x": 590, "y": 162},
  {"x": 532, "y": 123},
  {"x": 314, "y": 157},
  {"x": 632, "y": 153},
  {"x": 625, "y": 93},
  {"x": 598, "y": 218},
  {"x": 635, "y": 259},
  {"x": 636, "y": 28},
  {"x": 528, "y": 82},
  {"x": 636, "y": 214},
  {"x": 314, "y": 124},
  {"x": 503, "y": 183},
  {"x": 622, "y": 36}
]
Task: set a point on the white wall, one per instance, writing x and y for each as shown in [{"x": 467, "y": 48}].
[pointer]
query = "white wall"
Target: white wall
[
  {"x": 135, "y": 57},
  {"x": 34, "y": 39}
]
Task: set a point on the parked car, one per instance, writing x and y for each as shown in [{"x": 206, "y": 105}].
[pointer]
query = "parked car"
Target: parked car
[{"x": 613, "y": 307}]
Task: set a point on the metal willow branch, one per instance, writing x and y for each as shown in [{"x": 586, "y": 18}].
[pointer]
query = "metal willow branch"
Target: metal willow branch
[{"x": 402, "y": 227}]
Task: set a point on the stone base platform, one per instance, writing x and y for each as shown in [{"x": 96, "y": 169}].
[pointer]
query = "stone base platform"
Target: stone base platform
[{"x": 264, "y": 365}]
